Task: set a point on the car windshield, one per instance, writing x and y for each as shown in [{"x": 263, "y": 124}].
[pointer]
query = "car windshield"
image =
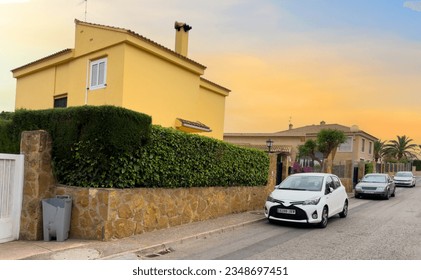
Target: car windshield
[
  {"x": 403, "y": 174},
  {"x": 302, "y": 183},
  {"x": 374, "y": 179}
]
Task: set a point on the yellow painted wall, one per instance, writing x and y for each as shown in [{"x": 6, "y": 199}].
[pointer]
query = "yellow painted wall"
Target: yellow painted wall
[
  {"x": 140, "y": 77},
  {"x": 36, "y": 91},
  {"x": 158, "y": 88},
  {"x": 212, "y": 112},
  {"x": 166, "y": 91}
]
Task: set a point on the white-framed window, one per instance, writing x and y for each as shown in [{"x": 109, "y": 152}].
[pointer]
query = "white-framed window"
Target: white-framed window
[
  {"x": 98, "y": 73},
  {"x": 346, "y": 146}
]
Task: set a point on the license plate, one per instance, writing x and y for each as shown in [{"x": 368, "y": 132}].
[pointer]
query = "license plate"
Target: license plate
[{"x": 286, "y": 211}]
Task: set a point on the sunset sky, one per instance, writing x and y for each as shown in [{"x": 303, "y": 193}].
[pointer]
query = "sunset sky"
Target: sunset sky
[{"x": 354, "y": 62}]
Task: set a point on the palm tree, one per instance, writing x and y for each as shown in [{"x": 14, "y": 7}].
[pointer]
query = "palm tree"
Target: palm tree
[
  {"x": 379, "y": 147},
  {"x": 400, "y": 148}
]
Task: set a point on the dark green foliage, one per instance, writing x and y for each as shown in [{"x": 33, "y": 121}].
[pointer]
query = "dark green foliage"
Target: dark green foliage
[
  {"x": 417, "y": 164},
  {"x": 369, "y": 167},
  {"x": 177, "y": 159},
  {"x": 106, "y": 146},
  {"x": 7, "y": 145},
  {"x": 86, "y": 139}
]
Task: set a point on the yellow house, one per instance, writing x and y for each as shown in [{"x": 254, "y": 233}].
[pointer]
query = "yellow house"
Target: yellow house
[{"x": 116, "y": 66}]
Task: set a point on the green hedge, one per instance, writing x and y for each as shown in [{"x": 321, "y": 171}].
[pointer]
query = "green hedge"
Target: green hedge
[
  {"x": 99, "y": 132},
  {"x": 177, "y": 159},
  {"x": 7, "y": 144},
  {"x": 107, "y": 146},
  {"x": 417, "y": 164},
  {"x": 172, "y": 159}
]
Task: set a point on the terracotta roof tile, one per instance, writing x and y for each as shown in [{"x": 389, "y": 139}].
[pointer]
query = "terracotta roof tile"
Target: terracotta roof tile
[
  {"x": 65, "y": 51},
  {"x": 143, "y": 38}
]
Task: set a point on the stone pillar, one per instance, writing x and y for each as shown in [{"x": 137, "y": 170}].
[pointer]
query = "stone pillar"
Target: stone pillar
[
  {"x": 361, "y": 170},
  {"x": 272, "y": 170},
  {"x": 285, "y": 167},
  {"x": 38, "y": 181},
  {"x": 349, "y": 169}
]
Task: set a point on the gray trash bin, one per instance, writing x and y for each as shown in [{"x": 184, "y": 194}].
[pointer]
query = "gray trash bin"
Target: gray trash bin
[{"x": 56, "y": 213}]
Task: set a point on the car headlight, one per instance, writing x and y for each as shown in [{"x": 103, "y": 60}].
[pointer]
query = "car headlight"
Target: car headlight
[
  {"x": 270, "y": 199},
  {"x": 313, "y": 201}
]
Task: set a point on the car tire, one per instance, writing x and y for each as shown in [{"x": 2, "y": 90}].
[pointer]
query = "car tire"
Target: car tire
[
  {"x": 357, "y": 195},
  {"x": 387, "y": 195},
  {"x": 344, "y": 212},
  {"x": 393, "y": 194},
  {"x": 325, "y": 217}
]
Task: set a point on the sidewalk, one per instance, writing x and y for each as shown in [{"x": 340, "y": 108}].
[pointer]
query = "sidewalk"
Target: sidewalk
[{"x": 150, "y": 242}]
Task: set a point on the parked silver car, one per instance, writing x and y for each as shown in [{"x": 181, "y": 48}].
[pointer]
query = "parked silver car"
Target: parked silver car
[
  {"x": 404, "y": 179},
  {"x": 375, "y": 184}
]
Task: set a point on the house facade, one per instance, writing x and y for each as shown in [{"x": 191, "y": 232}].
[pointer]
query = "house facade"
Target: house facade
[
  {"x": 116, "y": 66},
  {"x": 359, "y": 145}
]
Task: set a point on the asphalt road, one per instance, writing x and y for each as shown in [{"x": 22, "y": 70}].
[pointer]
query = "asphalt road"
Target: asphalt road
[{"x": 374, "y": 229}]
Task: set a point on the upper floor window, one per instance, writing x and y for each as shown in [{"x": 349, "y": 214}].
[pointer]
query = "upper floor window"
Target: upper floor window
[
  {"x": 98, "y": 73},
  {"x": 363, "y": 145},
  {"x": 370, "y": 147},
  {"x": 346, "y": 146},
  {"x": 60, "y": 101}
]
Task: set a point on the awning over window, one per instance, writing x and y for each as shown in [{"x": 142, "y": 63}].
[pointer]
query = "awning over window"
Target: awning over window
[{"x": 190, "y": 126}]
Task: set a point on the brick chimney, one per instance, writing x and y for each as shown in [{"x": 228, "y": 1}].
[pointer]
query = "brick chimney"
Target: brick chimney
[{"x": 181, "y": 37}]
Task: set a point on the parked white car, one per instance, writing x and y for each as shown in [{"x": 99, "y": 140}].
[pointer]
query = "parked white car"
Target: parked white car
[
  {"x": 307, "y": 198},
  {"x": 404, "y": 179}
]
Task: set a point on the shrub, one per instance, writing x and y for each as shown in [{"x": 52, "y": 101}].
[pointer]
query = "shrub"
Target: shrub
[
  {"x": 86, "y": 139},
  {"x": 177, "y": 159},
  {"x": 7, "y": 145},
  {"x": 417, "y": 164},
  {"x": 107, "y": 146},
  {"x": 369, "y": 167}
]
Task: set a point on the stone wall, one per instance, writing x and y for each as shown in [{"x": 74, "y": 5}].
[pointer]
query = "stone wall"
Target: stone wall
[
  {"x": 105, "y": 214},
  {"x": 38, "y": 182}
]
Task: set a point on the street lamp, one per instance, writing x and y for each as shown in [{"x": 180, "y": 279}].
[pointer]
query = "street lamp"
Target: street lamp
[{"x": 269, "y": 144}]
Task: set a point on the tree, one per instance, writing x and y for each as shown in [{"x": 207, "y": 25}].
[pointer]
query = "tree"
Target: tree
[
  {"x": 379, "y": 149},
  {"x": 328, "y": 140},
  {"x": 309, "y": 149},
  {"x": 401, "y": 148}
]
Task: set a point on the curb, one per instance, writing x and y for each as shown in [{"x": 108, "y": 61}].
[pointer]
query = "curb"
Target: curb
[{"x": 165, "y": 246}]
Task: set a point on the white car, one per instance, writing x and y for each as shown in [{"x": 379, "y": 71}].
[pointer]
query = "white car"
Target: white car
[
  {"x": 405, "y": 179},
  {"x": 307, "y": 198}
]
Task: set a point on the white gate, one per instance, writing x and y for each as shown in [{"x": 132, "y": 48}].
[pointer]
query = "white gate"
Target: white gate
[{"x": 11, "y": 188}]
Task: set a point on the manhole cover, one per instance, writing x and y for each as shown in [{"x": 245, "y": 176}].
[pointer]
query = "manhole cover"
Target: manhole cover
[{"x": 77, "y": 254}]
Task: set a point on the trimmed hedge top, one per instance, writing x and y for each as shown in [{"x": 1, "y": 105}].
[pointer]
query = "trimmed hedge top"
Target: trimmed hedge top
[
  {"x": 115, "y": 129},
  {"x": 107, "y": 146}
]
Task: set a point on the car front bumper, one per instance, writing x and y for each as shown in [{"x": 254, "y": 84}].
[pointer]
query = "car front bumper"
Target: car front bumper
[
  {"x": 371, "y": 192},
  {"x": 404, "y": 183},
  {"x": 304, "y": 214}
]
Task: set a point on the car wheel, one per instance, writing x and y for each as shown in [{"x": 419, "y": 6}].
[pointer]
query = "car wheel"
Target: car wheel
[
  {"x": 393, "y": 194},
  {"x": 325, "y": 216},
  {"x": 357, "y": 195},
  {"x": 344, "y": 212},
  {"x": 387, "y": 195}
]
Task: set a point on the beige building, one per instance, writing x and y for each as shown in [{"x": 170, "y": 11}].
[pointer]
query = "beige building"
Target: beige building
[
  {"x": 358, "y": 147},
  {"x": 115, "y": 66}
]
